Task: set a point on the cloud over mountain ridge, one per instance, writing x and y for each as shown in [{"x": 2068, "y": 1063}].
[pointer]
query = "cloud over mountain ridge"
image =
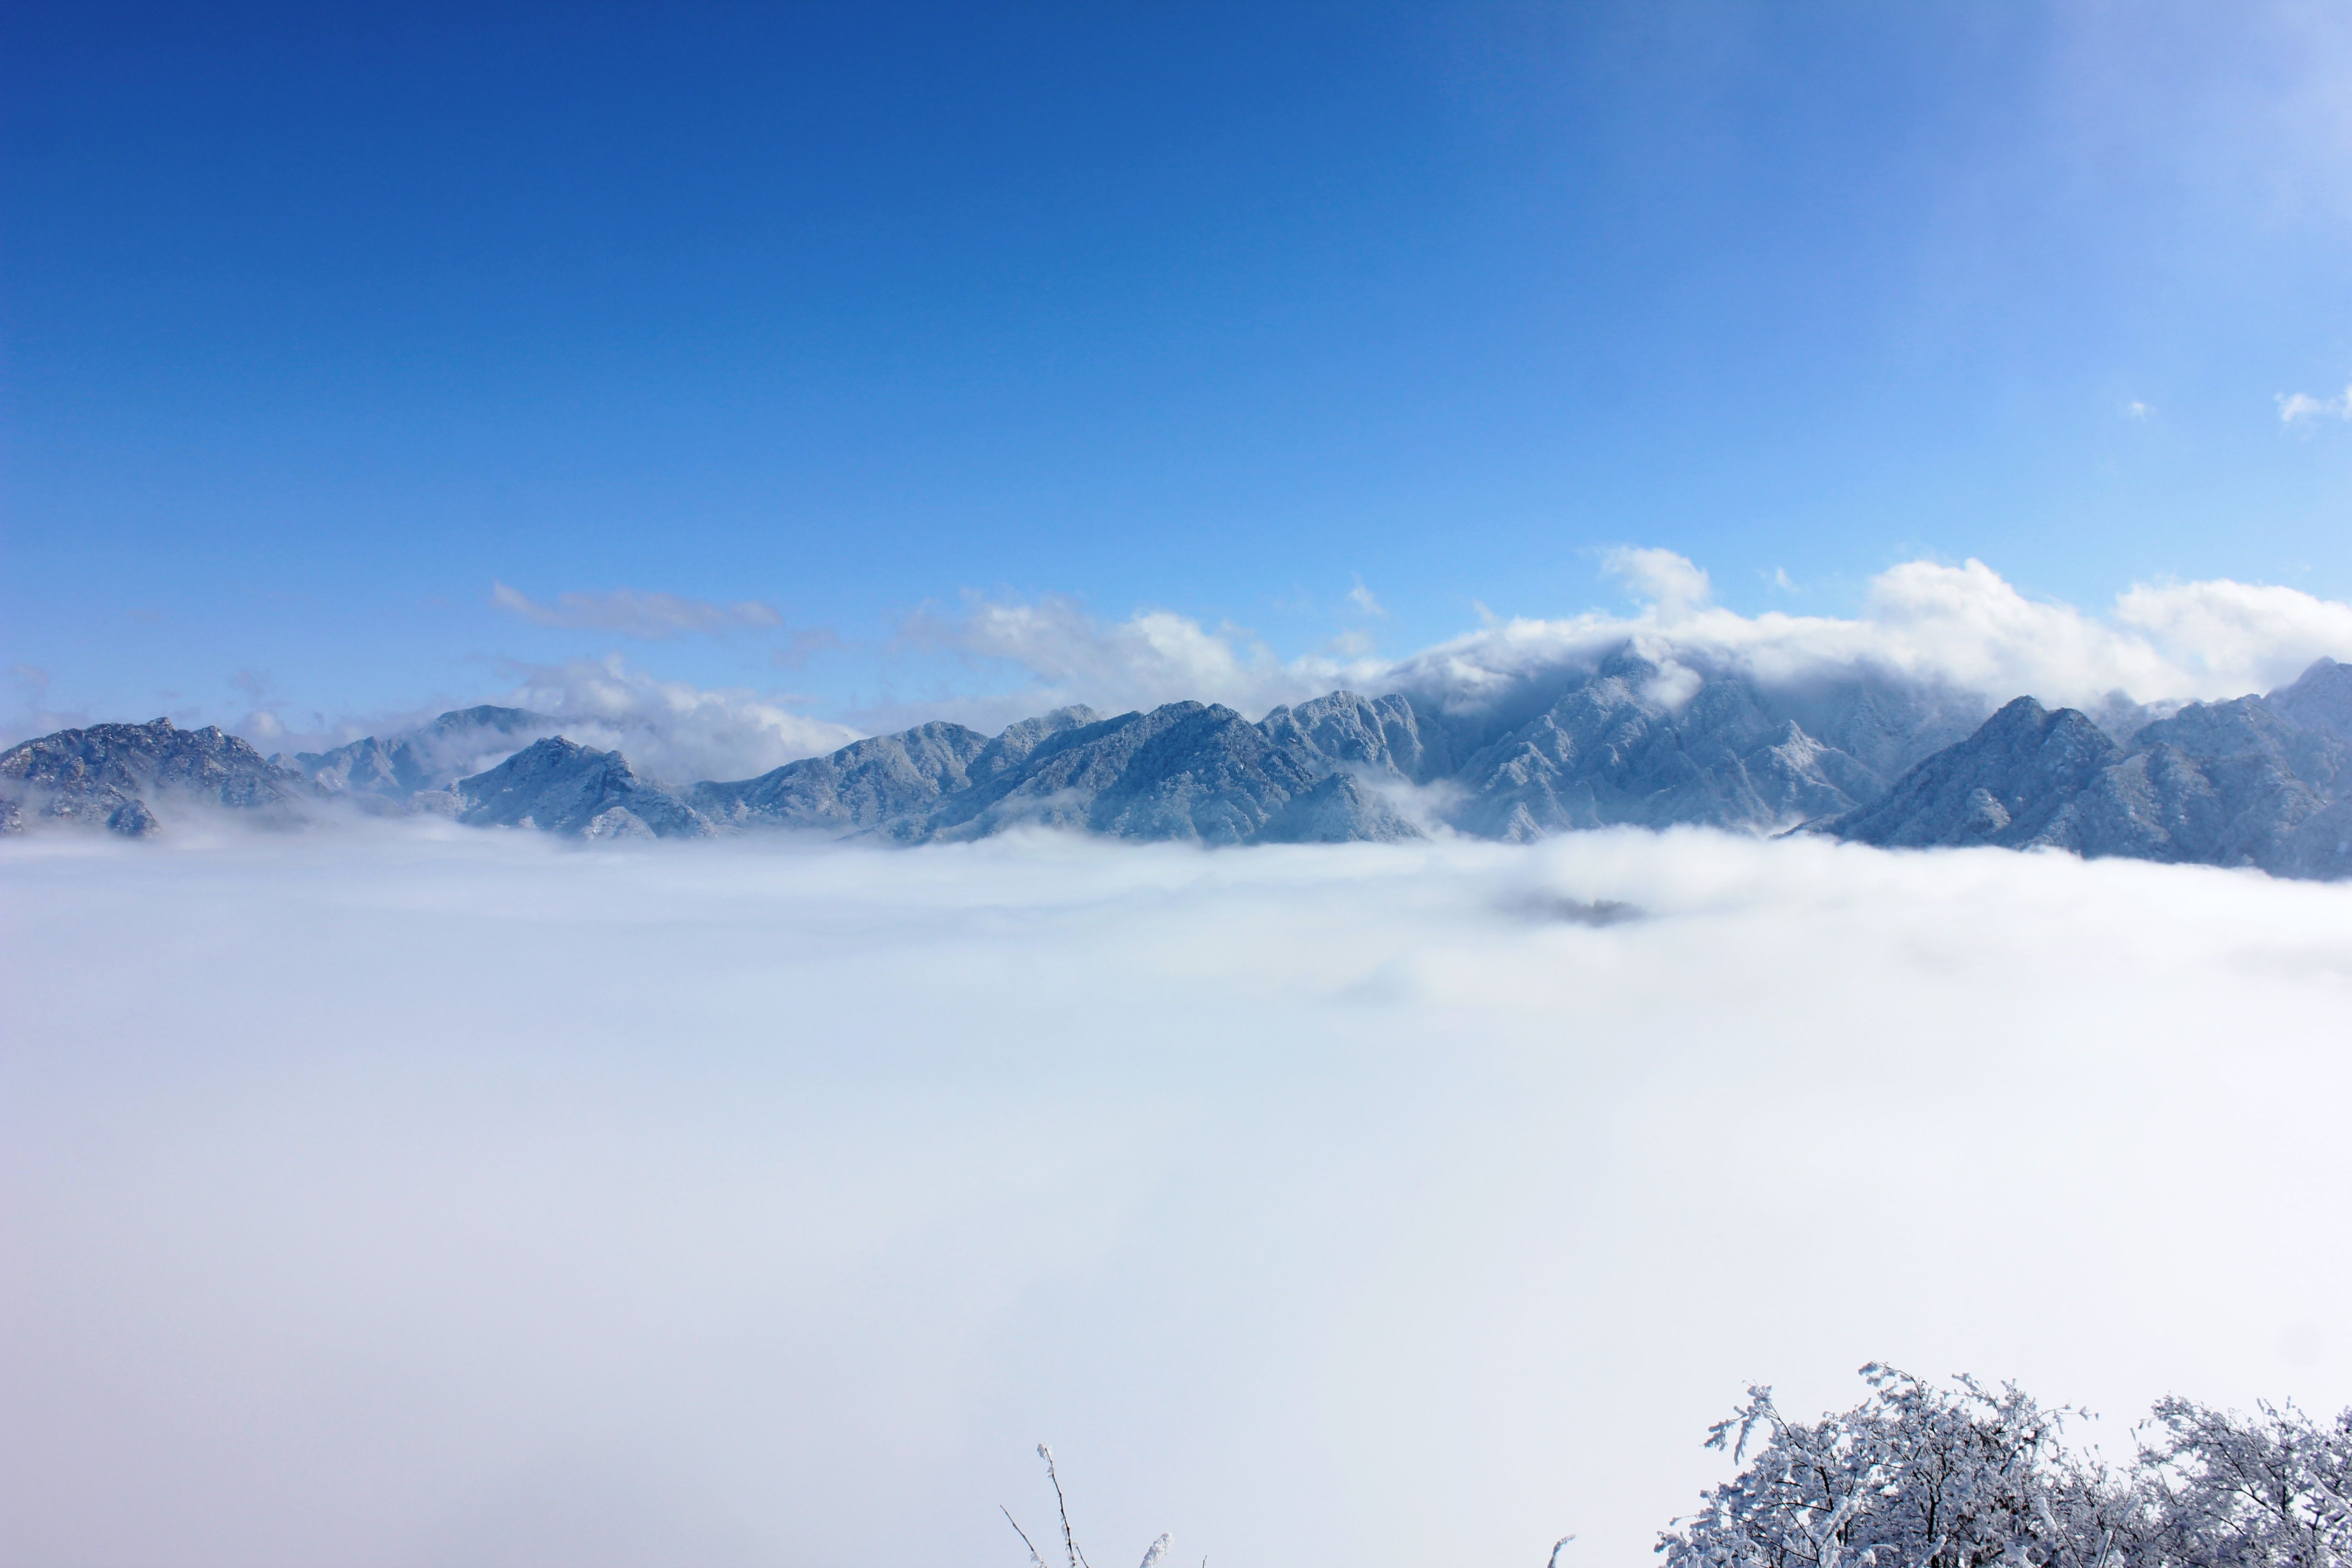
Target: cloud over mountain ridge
[{"x": 1683, "y": 713}]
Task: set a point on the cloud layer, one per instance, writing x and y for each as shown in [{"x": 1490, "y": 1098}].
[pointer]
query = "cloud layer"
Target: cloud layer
[
  {"x": 412, "y": 1194},
  {"x": 1962, "y": 626}
]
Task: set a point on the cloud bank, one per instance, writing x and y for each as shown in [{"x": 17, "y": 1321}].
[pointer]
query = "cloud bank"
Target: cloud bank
[
  {"x": 1959, "y": 626},
  {"x": 415, "y": 1195}
]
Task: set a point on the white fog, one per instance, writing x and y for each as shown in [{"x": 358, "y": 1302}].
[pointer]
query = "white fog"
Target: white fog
[{"x": 412, "y": 1194}]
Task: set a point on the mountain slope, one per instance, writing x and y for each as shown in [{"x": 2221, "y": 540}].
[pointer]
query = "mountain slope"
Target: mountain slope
[
  {"x": 2255, "y": 781},
  {"x": 2010, "y": 784},
  {"x": 114, "y": 775},
  {"x": 558, "y": 787},
  {"x": 1639, "y": 744},
  {"x": 1631, "y": 738},
  {"x": 432, "y": 756}
]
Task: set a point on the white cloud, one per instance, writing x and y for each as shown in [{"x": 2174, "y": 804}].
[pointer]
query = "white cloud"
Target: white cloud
[
  {"x": 669, "y": 729},
  {"x": 748, "y": 1204},
  {"x": 1669, "y": 583},
  {"x": 628, "y": 613},
  {"x": 2136, "y": 410},
  {"x": 1152, "y": 657},
  {"x": 2300, "y": 406},
  {"x": 1364, "y": 601},
  {"x": 1964, "y": 626}
]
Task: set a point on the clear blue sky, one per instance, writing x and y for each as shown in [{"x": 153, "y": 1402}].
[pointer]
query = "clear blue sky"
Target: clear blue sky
[{"x": 317, "y": 322}]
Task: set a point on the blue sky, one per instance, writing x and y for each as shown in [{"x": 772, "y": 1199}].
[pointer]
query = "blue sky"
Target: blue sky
[{"x": 317, "y": 325}]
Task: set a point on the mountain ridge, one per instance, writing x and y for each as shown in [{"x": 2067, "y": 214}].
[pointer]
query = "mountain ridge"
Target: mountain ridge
[{"x": 2262, "y": 781}]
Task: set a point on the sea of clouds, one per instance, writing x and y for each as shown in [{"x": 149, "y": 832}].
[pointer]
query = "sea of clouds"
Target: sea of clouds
[{"x": 410, "y": 1194}]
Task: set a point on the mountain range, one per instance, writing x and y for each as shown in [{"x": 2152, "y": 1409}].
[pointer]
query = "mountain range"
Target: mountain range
[{"x": 1635, "y": 738}]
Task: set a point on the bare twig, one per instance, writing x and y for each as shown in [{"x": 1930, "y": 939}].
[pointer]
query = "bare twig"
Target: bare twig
[
  {"x": 1069, "y": 1541},
  {"x": 1024, "y": 1534},
  {"x": 1554, "y": 1562}
]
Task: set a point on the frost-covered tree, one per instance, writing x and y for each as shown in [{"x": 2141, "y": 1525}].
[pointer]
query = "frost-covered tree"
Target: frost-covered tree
[
  {"x": 1968, "y": 1476},
  {"x": 1913, "y": 1476},
  {"x": 2223, "y": 1491}
]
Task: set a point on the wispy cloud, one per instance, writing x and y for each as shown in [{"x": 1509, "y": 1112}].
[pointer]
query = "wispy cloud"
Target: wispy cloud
[
  {"x": 2296, "y": 406},
  {"x": 629, "y": 613},
  {"x": 1364, "y": 600}
]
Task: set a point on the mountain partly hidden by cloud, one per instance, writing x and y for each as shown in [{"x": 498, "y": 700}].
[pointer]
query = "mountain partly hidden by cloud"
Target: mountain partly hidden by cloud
[{"x": 1954, "y": 712}]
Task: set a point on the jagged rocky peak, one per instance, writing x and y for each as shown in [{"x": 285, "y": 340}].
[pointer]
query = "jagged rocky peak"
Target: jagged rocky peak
[
  {"x": 561, "y": 786},
  {"x": 2320, "y": 698},
  {"x": 1637, "y": 736},
  {"x": 2004, "y": 784},
  {"x": 1016, "y": 743},
  {"x": 115, "y": 775},
  {"x": 1382, "y": 734},
  {"x": 862, "y": 785},
  {"x": 431, "y": 756},
  {"x": 1646, "y": 744},
  {"x": 1183, "y": 771},
  {"x": 2241, "y": 782}
]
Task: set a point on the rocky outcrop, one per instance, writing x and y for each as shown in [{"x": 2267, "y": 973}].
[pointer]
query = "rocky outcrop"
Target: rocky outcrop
[
  {"x": 117, "y": 775},
  {"x": 558, "y": 787}
]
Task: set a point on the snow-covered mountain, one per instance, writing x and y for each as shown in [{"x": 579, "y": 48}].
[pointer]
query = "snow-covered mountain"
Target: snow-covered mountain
[
  {"x": 432, "y": 756},
  {"x": 1633, "y": 738},
  {"x": 2257, "y": 781},
  {"x": 112, "y": 776}
]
